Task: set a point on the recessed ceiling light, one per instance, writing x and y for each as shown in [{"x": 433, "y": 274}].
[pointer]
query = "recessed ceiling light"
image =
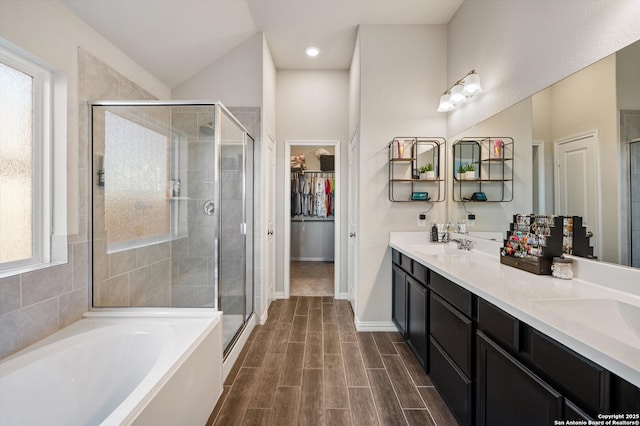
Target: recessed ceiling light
[{"x": 312, "y": 51}]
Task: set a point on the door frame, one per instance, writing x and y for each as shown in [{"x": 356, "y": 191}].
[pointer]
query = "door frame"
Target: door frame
[
  {"x": 287, "y": 208},
  {"x": 538, "y": 147},
  {"x": 556, "y": 179}
]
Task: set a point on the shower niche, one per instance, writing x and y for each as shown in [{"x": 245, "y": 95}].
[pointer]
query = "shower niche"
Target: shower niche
[{"x": 172, "y": 208}]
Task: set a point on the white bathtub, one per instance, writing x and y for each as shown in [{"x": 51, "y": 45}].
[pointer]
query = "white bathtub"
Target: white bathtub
[{"x": 145, "y": 368}]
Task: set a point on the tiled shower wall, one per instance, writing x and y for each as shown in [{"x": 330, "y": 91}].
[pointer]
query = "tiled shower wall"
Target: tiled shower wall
[
  {"x": 193, "y": 261},
  {"x": 137, "y": 276},
  {"x": 629, "y": 130}
]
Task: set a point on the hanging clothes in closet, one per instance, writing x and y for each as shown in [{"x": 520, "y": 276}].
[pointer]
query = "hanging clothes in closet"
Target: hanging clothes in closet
[{"x": 312, "y": 194}]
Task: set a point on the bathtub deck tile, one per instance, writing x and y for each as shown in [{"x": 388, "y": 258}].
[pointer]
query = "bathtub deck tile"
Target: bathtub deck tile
[{"x": 316, "y": 369}]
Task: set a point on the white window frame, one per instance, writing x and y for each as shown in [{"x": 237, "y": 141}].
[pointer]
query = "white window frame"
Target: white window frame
[{"x": 49, "y": 236}]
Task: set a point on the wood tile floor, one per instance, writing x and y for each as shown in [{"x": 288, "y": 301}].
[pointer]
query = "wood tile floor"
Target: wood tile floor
[
  {"x": 311, "y": 278},
  {"x": 308, "y": 366}
]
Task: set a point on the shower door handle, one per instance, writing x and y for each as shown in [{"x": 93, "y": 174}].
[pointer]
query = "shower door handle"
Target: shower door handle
[{"x": 209, "y": 207}]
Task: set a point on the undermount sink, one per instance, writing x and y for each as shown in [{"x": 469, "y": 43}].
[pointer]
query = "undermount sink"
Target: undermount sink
[
  {"x": 436, "y": 249},
  {"x": 604, "y": 315}
]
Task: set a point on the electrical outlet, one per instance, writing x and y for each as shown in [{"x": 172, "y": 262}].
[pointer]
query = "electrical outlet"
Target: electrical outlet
[
  {"x": 471, "y": 220},
  {"x": 422, "y": 220}
]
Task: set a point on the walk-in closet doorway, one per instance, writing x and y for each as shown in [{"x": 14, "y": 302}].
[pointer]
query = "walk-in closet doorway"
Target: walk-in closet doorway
[{"x": 312, "y": 222}]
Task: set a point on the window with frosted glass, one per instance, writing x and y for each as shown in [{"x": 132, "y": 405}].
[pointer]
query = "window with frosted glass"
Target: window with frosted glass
[
  {"x": 16, "y": 165},
  {"x": 135, "y": 164}
]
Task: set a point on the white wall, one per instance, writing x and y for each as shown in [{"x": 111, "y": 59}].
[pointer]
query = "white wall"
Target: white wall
[
  {"x": 628, "y": 83},
  {"x": 312, "y": 105},
  {"x": 402, "y": 75},
  {"x": 235, "y": 79},
  {"x": 520, "y": 47}
]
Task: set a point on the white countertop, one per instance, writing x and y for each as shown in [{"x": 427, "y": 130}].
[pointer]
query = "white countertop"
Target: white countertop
[{"x": 598, "y": 320}]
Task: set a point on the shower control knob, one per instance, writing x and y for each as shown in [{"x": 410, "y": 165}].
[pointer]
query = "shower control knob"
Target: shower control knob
[{"x": 209, "y": 207}]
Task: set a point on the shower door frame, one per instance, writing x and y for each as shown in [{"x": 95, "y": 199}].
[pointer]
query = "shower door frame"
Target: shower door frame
[{"x": 218, "y": 109}]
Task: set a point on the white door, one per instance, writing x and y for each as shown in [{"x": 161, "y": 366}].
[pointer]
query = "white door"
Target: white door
[
  {"x": 576, "y": 182},
  {"x": 352, "y": 264},
  {"x": 270, "y": 267}
]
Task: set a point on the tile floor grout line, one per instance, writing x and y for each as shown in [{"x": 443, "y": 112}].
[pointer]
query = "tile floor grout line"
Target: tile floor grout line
[{"x": 428, "y": 392}]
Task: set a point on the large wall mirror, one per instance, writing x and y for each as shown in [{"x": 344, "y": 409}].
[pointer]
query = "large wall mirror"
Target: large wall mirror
[{"x": 578, "y": 153}]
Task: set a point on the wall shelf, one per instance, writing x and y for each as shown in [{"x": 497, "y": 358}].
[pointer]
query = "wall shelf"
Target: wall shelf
[
  {"x": 492, "y": 160},
  {"x": 406, "y": 156}
]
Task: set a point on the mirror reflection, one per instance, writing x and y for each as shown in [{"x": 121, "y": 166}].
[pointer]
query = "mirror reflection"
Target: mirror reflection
[{"x": 584, "y": 153}]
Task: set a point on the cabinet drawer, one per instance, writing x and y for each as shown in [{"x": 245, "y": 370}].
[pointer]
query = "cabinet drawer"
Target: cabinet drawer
[
  {"x": 453, "y": 332},
  {"x": 452, "y": 293},
  {"x": 420, "y": 273},
  {"x": 454, "y": 387},
  {"x": 499, "y": 325},
  {"x": 585, "y": 383},
  {"x": 402, "y": 260}
]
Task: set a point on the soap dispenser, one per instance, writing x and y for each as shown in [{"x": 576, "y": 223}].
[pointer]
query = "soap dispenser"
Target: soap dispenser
[{"x": 434, "y": 234}]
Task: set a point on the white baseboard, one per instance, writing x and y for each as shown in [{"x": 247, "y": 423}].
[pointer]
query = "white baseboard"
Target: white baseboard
[
  {"x": 374, "y": 325},
  {"x": 313, "y": 259},
  {"x": 237, "y": 347},
  {"x": 263, "y": 318},
  {"x": 343, "y": 296},
  {"x": 279, "y": 295}
]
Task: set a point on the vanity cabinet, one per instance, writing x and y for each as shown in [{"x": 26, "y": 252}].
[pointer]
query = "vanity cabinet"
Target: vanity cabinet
[
  {"x": 491, "y": 368},
  {"x": 451, "y": 342},
  {"x": 410, "y": 303}
]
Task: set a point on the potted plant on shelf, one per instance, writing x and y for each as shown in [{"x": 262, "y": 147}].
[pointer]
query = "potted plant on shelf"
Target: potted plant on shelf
[
  {"x": 427, "y": 172},
  {"x": 460, "y": 173},
  {"x": 470, "y": 172}
]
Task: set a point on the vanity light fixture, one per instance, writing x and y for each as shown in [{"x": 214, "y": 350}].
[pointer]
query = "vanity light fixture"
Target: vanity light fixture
[
  {"x": 312, "y": 51},
  {"x": 462, "y": 91}
]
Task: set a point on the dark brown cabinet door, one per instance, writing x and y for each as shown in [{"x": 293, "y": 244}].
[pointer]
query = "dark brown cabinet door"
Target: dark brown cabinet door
[
  {"x": 399, "y": 299},
  {"x": 417, "y": 302},
  {"x": 510, "y": 394}
]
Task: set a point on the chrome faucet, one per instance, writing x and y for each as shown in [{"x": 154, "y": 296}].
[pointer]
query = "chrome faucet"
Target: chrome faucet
[{"x": 463, "y": 244}]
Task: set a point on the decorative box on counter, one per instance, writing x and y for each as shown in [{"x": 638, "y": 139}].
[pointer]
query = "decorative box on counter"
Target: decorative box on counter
[{"x": 532, "y": 243}]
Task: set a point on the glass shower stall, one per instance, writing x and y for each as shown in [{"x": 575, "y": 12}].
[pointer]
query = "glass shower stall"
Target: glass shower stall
[{"x": 172, "y": 209}]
